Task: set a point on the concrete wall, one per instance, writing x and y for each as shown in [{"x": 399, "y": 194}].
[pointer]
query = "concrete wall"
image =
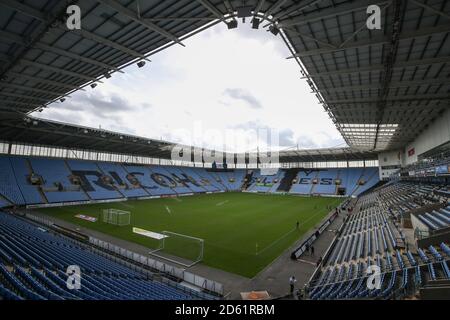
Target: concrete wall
[
  {"x": 436, "y": 134},
  {"x": 390, "y": 158}
]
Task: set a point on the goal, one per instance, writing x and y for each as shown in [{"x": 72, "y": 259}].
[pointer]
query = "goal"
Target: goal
[
  {"x": 116, "y": 217},
  {"x": 180, "y": 248}
]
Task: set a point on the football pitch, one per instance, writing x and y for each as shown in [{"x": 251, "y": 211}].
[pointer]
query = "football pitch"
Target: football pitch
[{"x": 242, "y": 232}]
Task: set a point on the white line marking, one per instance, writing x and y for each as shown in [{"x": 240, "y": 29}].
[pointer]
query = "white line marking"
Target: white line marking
[{"x": 221, "y": 203}]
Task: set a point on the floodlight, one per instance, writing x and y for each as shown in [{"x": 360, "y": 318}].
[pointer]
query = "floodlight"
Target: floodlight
[
  {"x": 93, "y": 85},
  {"x": 62, "y": 99},
  {"x": 141, "y": 63},
  {"x": 233, "y": 24},
  {"x": 275, "y": 31},
  {"x": 107, "y": 75},
  {"x": 255, "y": 23}
]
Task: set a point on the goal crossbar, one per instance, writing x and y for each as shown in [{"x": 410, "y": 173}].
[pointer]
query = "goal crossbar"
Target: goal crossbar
[{"x": 186, "y": 262}]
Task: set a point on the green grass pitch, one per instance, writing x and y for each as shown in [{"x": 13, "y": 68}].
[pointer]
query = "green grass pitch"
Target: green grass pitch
[{"x": 242, "y": 232}]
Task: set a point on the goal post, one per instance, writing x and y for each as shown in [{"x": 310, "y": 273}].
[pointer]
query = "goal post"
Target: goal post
[
  {"x": 116, "y": 217},
  {"x": 180, "y": 248}
]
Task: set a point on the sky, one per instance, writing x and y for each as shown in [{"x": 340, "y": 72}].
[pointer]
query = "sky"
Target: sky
[{"x": 229, "y": 90}]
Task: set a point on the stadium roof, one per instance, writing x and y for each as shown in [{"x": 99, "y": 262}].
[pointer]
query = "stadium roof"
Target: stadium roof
[
  {"x": 380, "y": 87},
  {"x": 40, "y": 132}
]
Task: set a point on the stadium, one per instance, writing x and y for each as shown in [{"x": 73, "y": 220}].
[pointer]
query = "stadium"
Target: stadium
[{"x": 93, "y": 214}]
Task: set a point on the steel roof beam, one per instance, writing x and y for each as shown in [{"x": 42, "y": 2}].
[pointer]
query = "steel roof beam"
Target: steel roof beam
[
  {"x": 96, "y": 38},
  {"x": 399, "y": 98},
  {"x": 12, "y": 107},
  {"x": 75, "y": 56},
  {"x": 89, "y": 35},
  {"x": 25, "y": 104},
  {"x": 24, "y": 42},
  {"x": 24, "y": 9},
  {"x": 211, "y": 8},
  {"x": 12, "y": 37},
  {"x": 431, "y": 9},
  {"x": 330, "y": 12},
  {"x": 22, "y": 96},
  {"x": 25, "y": 88},
  {"x": 259, "y": 5},
  {"x": 55, "y": 69},
  {"x": 377, "y": 67},
  {"x": 41, "y": 80},
  {"x": 424, "y": 32},
  {"x": 142, "y": 21},
  {"x": 297, "y": 8},
  {"x": 395, "y": 84}
]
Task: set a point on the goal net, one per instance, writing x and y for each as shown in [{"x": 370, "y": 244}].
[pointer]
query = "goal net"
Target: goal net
[
  {"x": 179, "y": 248},
  {"x": 116, "y": 217}
]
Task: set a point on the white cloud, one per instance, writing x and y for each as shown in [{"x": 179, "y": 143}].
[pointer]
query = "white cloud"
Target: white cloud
[{"x": 183, "y": 89}]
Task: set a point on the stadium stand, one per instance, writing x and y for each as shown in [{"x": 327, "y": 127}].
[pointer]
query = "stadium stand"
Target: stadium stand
[
  {"x": 370, "y": 236},
  {"x": 23, "y": 172},
  {"x": 97, "y": 185},
  {"x": 56, "y": 184},
  {"x": 326, "y": 182},
  {"x": 78, "y": 180},
  {"x": 303, "y": 184},
  {"x": 384, "y": 93},
  {"x": 33, "y": 264},
  {"x": 122, "y": 184},
  {"x": 143, "y": 177},
  {"x": 9, "y": 187}
]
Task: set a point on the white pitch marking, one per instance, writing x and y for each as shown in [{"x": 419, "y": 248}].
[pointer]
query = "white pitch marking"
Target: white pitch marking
[{"x": 221, "y": 203}]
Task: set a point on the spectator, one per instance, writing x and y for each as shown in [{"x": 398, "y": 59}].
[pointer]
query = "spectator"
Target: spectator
[
  {"x": 292, "y": 282},
  {"x": 319, "y": 262}
]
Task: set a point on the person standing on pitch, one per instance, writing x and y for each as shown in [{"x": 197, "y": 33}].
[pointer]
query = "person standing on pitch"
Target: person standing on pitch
[
  {"x": 297, "y": 225},
  {"x": 292, "y": 282}
]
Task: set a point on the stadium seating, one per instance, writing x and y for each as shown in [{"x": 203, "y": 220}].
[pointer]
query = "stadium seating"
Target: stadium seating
[
  {"x": 303, "y": 185},
  {"x": 350, "y": 180},
  {"x": 370, "y": 177},
  {"x": 78, "y": 180},
  {"x": 3, "y": 202},
  {"x": 265, "y": 183},
  {"x": 9, "y": 187},
  {"x": 369, "y": 237},
  {"x": 326, "y": 179},
  {"x": 143, "y": 176},
  {"x": 54, "y": 172},
  {"x": 22, "y": 171},
  {"x": 91, "y": 180},
  {"x": 33, "y": 262},
  {"x": 119, "y": 175}
]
